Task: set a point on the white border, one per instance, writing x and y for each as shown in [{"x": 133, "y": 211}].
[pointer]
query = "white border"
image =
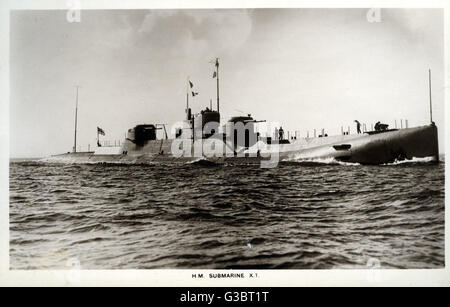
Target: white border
[{"x": 267, "y": 278}]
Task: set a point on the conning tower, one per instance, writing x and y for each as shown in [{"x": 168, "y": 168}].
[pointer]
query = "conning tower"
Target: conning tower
[{"x": 141, "y": 134}]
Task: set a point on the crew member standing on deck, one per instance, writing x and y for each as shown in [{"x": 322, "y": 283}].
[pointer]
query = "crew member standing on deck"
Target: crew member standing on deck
[
  {"x": 358, "y": 126},
  {"x": 281, "y": 133}
]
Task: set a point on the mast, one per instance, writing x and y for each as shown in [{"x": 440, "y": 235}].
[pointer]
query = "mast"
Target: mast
[
  {"x": 76, "y": 115},
  {"x": 187, "y": 98},
  {"x": 217, "y": 75},
  {"x": 429, "y": 86}
]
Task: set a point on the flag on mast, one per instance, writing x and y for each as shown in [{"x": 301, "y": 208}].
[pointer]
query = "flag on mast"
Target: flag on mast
[
  {"x": 100, "y": 131},
  {"x": 191, "y": 84},
  {"x": 194, "y": 94},
  {"x": 214, "y": 74}
]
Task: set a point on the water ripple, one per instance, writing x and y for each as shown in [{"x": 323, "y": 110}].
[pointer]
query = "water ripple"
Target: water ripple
[{"x": 301, "y": 215}]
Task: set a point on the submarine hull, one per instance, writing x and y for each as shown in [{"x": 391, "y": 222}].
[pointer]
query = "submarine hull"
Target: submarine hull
[{"x": 367, "y": 148}]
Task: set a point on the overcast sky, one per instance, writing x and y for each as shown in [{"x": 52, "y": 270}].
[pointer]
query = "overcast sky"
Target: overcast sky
[{"x": 302, "y": 68}]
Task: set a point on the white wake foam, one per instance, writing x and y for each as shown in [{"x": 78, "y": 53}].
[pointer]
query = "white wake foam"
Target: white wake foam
[
  {"x": 329, "y": 160},
  {"x": 413, "y": 160}
]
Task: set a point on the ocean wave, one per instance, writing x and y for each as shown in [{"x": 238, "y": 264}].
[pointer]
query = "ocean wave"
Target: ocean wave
[
  {"x": 202, "y": 162},
  {"x": 166, "y": 215}
]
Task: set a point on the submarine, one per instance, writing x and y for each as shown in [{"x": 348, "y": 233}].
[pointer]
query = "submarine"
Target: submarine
[{"x": 201, "y": 136}]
